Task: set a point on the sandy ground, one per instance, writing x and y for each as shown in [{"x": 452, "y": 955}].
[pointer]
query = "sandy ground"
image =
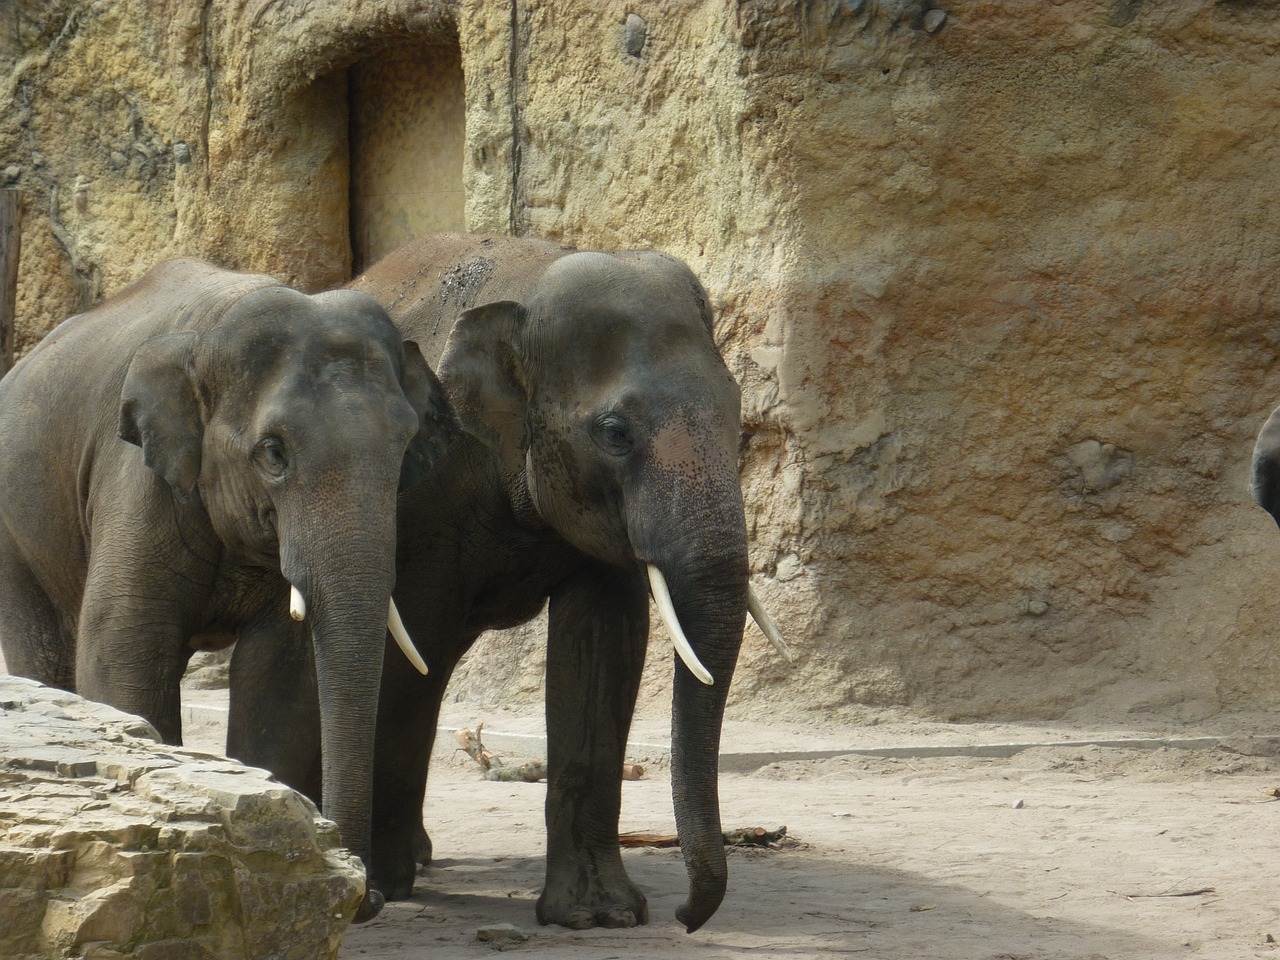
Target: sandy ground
[
  {"x": 905, "y": 840},
  {"x": 1073, "y": 850}
]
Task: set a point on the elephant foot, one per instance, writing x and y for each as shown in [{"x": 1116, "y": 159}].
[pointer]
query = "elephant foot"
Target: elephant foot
[
  {"x": 393, "y": 888},
  {"x": 626, "y": 909},
  {"x": 394, "y": 882},
  {"x": 396, "y": 856}
]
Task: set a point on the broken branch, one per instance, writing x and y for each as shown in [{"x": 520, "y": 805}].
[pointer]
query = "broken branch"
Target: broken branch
[
  {"x": 474, "y": 747},
  {"x": 744, "y": 836}
]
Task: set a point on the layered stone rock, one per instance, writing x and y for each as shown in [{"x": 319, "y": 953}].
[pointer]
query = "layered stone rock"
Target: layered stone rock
[{"x": 114, "y": 845}]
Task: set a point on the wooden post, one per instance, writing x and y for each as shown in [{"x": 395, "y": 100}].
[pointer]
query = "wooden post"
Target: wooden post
[{"x": 10, "y": 247}]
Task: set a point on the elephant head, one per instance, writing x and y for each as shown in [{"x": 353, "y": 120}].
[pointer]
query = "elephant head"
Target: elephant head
[
  {"x": 604, "y": 395},
  {"x": 292, "y": 423}
]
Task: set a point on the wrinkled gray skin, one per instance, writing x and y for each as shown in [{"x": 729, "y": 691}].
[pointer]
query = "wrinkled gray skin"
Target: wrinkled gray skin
[
  {"x": 266, "y": 438},
  {"x": 602, "y": 435},
  {"x": 1264, "y": 483}
]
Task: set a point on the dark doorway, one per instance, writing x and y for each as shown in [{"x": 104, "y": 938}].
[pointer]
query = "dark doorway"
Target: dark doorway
[{"x": 407, "y": 130}]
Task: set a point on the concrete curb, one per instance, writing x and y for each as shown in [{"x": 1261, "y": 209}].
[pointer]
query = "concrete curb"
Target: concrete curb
[{"x": 535, "y": 745}]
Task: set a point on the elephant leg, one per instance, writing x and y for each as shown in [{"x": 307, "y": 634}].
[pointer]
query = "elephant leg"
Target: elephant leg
[
  {"x": 408, "y": 712},
  {"x": 597, "y": 632},
  {"x": 34, "y": 642},
  {"x": 132, "y": 649},
  {"x": 274, "y": 718}
]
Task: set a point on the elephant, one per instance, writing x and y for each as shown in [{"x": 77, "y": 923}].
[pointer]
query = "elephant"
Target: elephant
[
  {"x": 181, "y": 460},
  {"x": 1264, "y": 481},
  {"x": 598, "y": 465}
]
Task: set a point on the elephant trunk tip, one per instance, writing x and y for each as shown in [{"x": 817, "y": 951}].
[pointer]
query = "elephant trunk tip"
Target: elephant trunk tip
[
  {"x": 693, "y": 919},
  {"x": 704, "y": 900},
  {"x": 370, "y": 906}
]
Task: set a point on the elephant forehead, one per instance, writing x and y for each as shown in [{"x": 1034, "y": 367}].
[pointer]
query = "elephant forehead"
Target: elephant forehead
[
  {"x": 299, "y": 399},
  {"x": 339, "y": 391},
  {"x": 597, "y": 290},
  {"x": 595, "y": 346},
  {"x": 272, "y": 356},
  {"x": 274, "y": 319}
]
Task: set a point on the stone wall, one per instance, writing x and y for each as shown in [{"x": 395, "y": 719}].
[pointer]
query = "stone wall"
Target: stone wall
[
  {"x": 998, "y": 278},
  {"x": 112, "y": 845}
]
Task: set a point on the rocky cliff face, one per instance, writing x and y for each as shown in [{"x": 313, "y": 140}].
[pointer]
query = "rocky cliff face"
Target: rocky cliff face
[{"x": 998, "y": 278}]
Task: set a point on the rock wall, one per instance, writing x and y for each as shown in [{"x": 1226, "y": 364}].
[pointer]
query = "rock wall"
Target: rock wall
[
  {"x": 114, "y": 846},
  {"x": 998, "y": 279}
]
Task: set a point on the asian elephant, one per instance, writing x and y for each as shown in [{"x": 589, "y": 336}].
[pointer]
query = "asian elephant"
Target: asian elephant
[
  {"x": 599, "y": 463},
  {"x": 1264, "y": 481},
  {"x": 210, "y": 454}
]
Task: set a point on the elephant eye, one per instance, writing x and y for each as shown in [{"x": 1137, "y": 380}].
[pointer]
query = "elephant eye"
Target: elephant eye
[
  {"x": 270, "y": 454},
  {"x": 613, "y": 434}
]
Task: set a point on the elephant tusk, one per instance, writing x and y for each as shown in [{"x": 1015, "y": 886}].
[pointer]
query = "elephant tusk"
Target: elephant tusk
[
  {"x": 765, "y": 622},
  {"x": 297, "y": 606},
  {"x": 662, "y": 597},
  {"x": 401, "y": 635}
]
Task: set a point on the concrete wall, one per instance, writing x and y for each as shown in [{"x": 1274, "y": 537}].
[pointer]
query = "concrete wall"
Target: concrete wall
[{"x": 998, "y": 278}]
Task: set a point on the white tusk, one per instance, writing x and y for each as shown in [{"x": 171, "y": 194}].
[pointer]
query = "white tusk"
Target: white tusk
[
  {"x": 396, "y": 626},
  {"x": 765, "y": 622},
  {"x": 297, "y": 606},
  {"x": 662, "y": 597}
]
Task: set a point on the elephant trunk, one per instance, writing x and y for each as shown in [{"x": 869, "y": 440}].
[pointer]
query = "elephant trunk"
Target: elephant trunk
[
  {"x": 707, "y": 577},
  {"x": 346, "y": 573},
  {"x": 714, "y": 625}
]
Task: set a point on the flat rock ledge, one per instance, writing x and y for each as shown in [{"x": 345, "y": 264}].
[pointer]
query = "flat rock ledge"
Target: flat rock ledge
[{"x": 115, "y": 845}]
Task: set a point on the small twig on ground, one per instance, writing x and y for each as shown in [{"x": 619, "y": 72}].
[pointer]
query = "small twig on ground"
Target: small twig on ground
[{"x": 1178, "y": 893}]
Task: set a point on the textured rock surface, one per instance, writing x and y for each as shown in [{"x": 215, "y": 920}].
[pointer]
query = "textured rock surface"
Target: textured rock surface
[
  {"x": 999, "y": 279},
  {"x": 112, "y": 845}
]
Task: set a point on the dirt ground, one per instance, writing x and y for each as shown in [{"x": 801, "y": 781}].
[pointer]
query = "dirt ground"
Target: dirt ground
[
  {"x": 905, "y": 840},
  {"x": 1074, "y": 850}
]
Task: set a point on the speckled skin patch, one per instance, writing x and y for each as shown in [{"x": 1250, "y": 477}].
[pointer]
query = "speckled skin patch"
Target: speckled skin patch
[{"x": 461, "y": 281}]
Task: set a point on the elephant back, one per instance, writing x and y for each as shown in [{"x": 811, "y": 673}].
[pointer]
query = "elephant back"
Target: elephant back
[{"x": 426, "y": 284}]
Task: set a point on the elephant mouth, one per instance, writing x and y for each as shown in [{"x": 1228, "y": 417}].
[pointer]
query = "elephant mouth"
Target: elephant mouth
[
  {"x": 298, "y": 611},
  {"x": 684, "y": 649}
]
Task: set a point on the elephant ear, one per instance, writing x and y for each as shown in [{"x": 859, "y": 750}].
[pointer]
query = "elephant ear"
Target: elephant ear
[
  {"x": 159, "y": 409},
  {"x": 483, "y": 372},
  {"x": 437, "y": 423}
]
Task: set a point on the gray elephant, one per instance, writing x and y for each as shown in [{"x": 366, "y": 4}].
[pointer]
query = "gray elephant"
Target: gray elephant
[
  {"x": 267, "y": 434},
  {"x": 599, "y": 465},
  {"x": 1264, "y": 481}
]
